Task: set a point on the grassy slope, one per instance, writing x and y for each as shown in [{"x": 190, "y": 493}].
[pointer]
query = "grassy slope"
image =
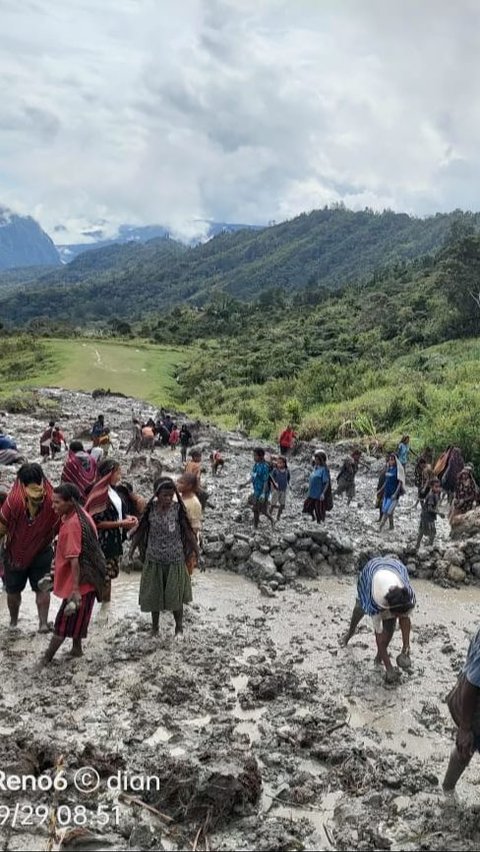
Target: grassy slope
[{"x": 144, "y": 371}]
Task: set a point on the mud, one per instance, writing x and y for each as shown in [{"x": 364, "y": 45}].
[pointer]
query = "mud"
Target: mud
[{"x": 257, "y": 732}]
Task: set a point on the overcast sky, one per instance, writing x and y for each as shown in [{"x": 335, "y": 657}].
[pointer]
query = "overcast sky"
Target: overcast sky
[{"x": 163, "y": 111}]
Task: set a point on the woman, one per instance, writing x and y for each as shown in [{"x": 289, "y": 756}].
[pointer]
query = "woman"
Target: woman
[
  {"x": 174, "y": 439},
  {"x": 169, "y": 550},
  {"x": 403, "y": 450},
  {"x": 105, "y": 506},
  {"x": 187, "y": 488},
  {"x": 319, "y": 500},
  {"x": 466, "y": 492},
  {"x": 79, "y": 575},
  {"x": 80, "y": 469},
  {"x": 392, "y": 489}
]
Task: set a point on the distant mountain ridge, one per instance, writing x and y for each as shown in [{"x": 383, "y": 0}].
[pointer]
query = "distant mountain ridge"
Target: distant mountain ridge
[
  {"x": 145, "y": 233},
  {"x": 23, "y": 243}
]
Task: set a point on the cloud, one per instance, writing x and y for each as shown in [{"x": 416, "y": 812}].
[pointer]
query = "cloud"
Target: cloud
[{"x": 143, "y": 111}]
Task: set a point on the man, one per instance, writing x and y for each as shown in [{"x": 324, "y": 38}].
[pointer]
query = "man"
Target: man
[
  {"x": 260, "y": 479},
  {"x": 287, "y": 440},
  {"x": 186, "y": 439},
  {"x": 384, "y": 592},
  {"x": 80, "y": 572},
  {"x": 464, "y": 705},
  {"x": 28, "y": 522},
  {"x": 346, "y": 477}
]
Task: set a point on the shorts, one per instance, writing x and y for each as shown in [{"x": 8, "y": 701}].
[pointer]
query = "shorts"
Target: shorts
[
  {"x": 15, "y": 581},
  {"x": 279, "y": 498},
  {"x": 347, "y": 488},
  {"x": 75, "y": 626}
]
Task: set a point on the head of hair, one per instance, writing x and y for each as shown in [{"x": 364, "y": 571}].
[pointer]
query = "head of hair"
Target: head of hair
[
  {"x": 196, "y": 454},
  {"x": 189, "y": 480},
  {"x": 321, "y": 457},
  {"x": 259, "y": 451},
  {"x": 163, "y": 483},
  {"x": 101, "y": 418},
  {"x": 106, "y": 466},
  {"x": 356, "y": 452},
  {"x": 68, "y": 492},
  {"x": 76, "y": 447},
  {"x": 30, "y": 474},
  {"x": 51, "y": 424},
  {"x": 405, "y": 439},
  {"x": 399, "y": 599}
]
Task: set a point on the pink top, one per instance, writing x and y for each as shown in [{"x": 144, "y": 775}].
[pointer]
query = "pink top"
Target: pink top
[{"x": 69, "y": 546}]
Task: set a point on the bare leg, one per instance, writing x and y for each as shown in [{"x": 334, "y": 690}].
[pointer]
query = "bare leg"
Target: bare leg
[
  {"x": 55, "y": 643},
  {"x": 155, "y": 622},
  {"x": 107, "y": 592},
  {"x": 43, "y": 605},
  {"x": 77, "y": 650},
  {"x": 14, "y": 602},
  {"x": 355, "y": 620},
  {"x": 390, "y": 522},
  {"x": 256, "y": 515},
  {"x": 403, "y": 659},
  {"x": 178, "y": 616},
  {"x": 419, "y": 541},
  {"x": 456, "y": 767}
]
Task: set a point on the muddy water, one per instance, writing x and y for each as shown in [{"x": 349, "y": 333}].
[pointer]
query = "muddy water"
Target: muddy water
[{"x": 302, "y": 628}]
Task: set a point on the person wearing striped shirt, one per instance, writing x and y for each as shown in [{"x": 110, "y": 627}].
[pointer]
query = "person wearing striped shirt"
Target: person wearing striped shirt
[{"x": 385, "y": 594}]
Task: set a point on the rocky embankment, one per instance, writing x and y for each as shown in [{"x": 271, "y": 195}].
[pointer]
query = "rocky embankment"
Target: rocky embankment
[{"x": 259, "y": 731}]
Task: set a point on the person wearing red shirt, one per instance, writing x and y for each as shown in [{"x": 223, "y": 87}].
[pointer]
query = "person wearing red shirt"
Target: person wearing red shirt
[
  {"x": 77, "y": 534},
  {"x": 287, "y": 440}
]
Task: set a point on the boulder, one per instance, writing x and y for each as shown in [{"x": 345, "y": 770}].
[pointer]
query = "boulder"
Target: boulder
[
  {"x": 279, "y": 557},
  {"x": 262, "y": 565},
  {"x": 476, "y": 570},
  {"x": 213, "y": 549},
  {"x": 240, "y": 550},
  {"x": 305, "y": 565},
  {"x": 456, "y": 574},
  {"x": 304, "y": 544}
]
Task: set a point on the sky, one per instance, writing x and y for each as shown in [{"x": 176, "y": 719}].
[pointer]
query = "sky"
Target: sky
[{"x": 251, "y": 111}]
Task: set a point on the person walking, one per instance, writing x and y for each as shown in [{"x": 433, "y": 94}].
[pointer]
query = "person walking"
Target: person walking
[
  {"x": 28, "y": 523},
  {"x": 169, "y": 551},
  {"x": 464, "y": 705},
  {"x": 80, "y": 469},
  {"x": 287, "y": 440},
  {"x": 79, "y": 574},
  {"x": 430, "y": 510},
  {"x": 280, "y": 478},
  {"x": 392, "y": 489},
  {"x": 319, "y": 500},
  {"x": 185, "y": 441},
  {"x": 260, "y": 480},
  {"x": 347, "y": 474}
]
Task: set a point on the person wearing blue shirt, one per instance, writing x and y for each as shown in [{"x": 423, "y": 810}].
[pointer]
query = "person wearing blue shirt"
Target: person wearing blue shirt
[
  {"x": 404, "y": 450},
  {"x": 260, "y": 479},
  {"x": 319, "y": 500},
  {"x": 464, "y": 705},
  {"x": 7, "y": 443},
  {"x": 281, "y": 479}
]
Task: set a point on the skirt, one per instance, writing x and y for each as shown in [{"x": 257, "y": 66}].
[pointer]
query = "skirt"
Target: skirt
[
  {"x": 75, "y": 626},
  {"x": 164, "y": 586},
  {"x": 427, "y": 527}
]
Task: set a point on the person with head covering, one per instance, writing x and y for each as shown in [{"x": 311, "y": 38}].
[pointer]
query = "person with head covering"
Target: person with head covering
[
  {"x": 28, "y": 524},
  {"x": 104, "y": 504},
  {"x": 319, "y": 500},
  {"x": 79, "y": 574},
  {"x": 384, "y": 592},
  {"x": 80, "y": 469},
  {"x": 391, "y": 490},
  {"x": 168, "y": 548},
  {"x": 466, "y": 492},
  {"x": 464, "y": 705}
]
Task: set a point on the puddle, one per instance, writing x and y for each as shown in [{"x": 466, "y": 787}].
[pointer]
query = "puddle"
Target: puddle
[{"x": 319, "y": 815}]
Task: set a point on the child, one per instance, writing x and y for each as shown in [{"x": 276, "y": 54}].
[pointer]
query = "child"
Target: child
[
  {"x": 429, "y": 514},
  {"x": 217, "y": 461},
  {"x": 280, "y": 477},
  {"x": 187, "y": 487},
  {"x": 174, "y": 439}
]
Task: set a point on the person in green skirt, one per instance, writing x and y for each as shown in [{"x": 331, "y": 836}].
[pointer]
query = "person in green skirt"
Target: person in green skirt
[{"x": 169, "y": 551}]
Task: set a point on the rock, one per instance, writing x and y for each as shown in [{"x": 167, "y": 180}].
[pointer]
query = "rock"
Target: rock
[
  {"x": 279, "y": 557},
  {"x": 476, "y": 570},
  {"x": 456, "y": 574},
  {"x": 240, "y": 550},
  {"x": 290, "y": 537},
  {"x": 305, "y": 565},
  {"x": 304, "y": 543},
  {"x": 213, "y": 549},
  {"x": 262, "y": 565}
]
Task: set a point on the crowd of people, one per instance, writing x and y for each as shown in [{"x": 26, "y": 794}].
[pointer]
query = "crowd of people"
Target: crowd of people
[{"x": 70, "y": 538}]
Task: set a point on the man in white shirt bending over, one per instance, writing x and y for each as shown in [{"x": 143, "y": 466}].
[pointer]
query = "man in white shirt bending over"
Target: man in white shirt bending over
[{"x": 384, "y": 592}]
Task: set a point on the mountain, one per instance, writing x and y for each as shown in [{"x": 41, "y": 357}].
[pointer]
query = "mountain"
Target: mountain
[
  {"x": 201, "y": 229},
  {"x": 327, "y": 248},
  {"x": 23, "y": 243}
]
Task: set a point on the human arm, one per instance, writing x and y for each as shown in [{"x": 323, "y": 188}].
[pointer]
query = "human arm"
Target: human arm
[
  {"x": 405, "y": 629},
  {"x": 383, "y": 641},
  {"x": 468, "y": 704},
  {"x": 75, "y": 569},
  {"x": 127, "y": 523}
]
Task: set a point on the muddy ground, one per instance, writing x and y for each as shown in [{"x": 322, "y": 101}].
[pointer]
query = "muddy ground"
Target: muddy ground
[{"x": 262, "y": 732}]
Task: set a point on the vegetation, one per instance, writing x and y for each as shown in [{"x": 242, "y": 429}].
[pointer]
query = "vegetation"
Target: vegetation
[{"x": 329, "y": 248}]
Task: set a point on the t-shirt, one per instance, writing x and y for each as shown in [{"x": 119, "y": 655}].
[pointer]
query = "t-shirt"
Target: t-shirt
[
  {"x": 471, "y": 669},
  {"x": 403, "y": 453},
  {"x": 7, "y": 443},
  {"x": 194, "y": 511},
  {"x": 383, "y": 580},
  {"x": 319, "y": 480},
  {"x": 281, "y": 478},
  {"x": 69, "y": 546}
]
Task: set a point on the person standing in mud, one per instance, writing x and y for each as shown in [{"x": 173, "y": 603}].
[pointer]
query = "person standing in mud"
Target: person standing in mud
[
  {"x": 403, "y": 450},
  {"x": 346, "y": 477},
  {"x": 187, "y": 487},
  {"x": 185, "y": 441},
  {"x": 319, "y": 500},
  {"x": 169, "y": 551},
  {"x": 287, "y": 440},
  {"x": 105, "y": 505},
  {"x": 28, "y": 524},
  {"x": 280, "y": 478},
  {"x": 79, "y": 574},
  {"x": 392, "y": 489},
  {"x": 464, "y": 705},
  {"x": 430, "y": 510},
  {"x": 260, "y": 480},
  {"x": 384, "y": 592}
]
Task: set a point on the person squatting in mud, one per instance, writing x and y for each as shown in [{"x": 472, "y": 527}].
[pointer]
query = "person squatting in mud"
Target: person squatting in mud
[
  {"x": 384, "y": 592},
  {"x": 79, "y": 572},
  {"x": 168, "y": 549},
  {"x": 464, "y": 705},
  {"x": 28, "y": 524}
]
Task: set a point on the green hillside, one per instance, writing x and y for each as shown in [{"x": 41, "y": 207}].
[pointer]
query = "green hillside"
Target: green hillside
[{"x": 328, "y": 248}]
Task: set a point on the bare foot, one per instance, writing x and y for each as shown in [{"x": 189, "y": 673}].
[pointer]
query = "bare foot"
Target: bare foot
[
  {"x": 344, "y": 639},
  {"x": 392, "y": 676},
  {"x": 45, "y": 628}
]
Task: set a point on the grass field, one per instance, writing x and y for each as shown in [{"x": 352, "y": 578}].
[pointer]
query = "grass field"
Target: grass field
[{"x": 140, "y": 370}]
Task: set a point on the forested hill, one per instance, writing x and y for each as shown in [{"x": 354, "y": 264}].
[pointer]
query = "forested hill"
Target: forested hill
[{"x": 326, "y": 248}]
